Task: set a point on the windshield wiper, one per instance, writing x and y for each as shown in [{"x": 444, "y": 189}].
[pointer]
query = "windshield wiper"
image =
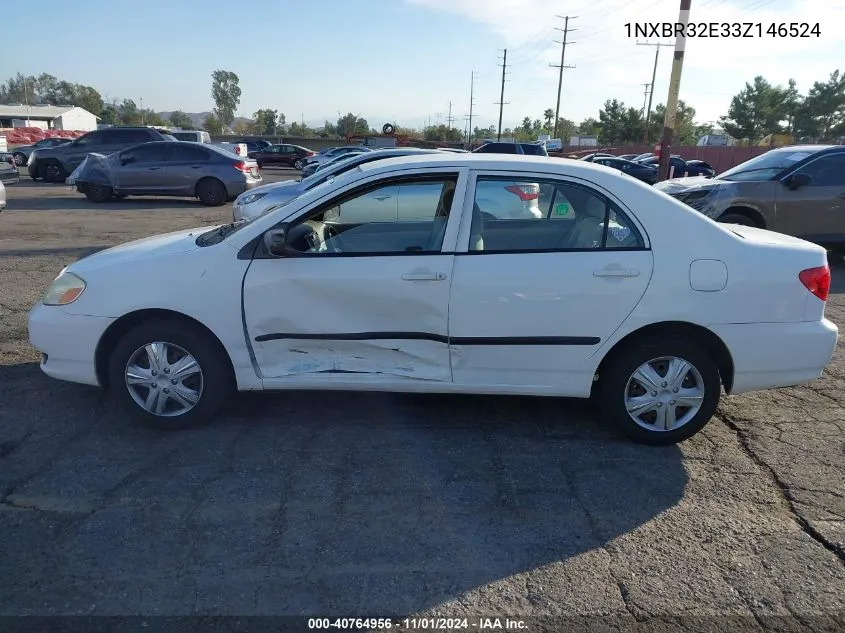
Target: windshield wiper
[{"x": 215, "y": 236}]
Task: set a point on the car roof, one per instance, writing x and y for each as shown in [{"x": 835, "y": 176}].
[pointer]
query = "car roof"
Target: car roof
[{"x": 516, "y": 162}]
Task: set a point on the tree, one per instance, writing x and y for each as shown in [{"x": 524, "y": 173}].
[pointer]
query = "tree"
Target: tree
[
  {"x": 442, "y": 133},
  {"x": 687, "y": 132},
  {"x": 18, "y": 89},
  {"x": 149, "y": 117},
  {"x": 129, "y": 113},
  {"x": 589, "y": 127},
  {"x": 619, "y": 124},
  {"x": 549, "y": 116},
  {"x": 756, "y": 111},
  {"x": 822, "y": 114},
  {"x": 566, "y": 129},
  {"x": 212, "y": 124},
  {"x": 266, "y": 121},
  {"x": 300, "y": 130},
  {"x": 352, "y": 124},
  {"x": 226, "y": 94},
  {"x": 181, "y": 120},
  {"x": 110, "y": 115}
]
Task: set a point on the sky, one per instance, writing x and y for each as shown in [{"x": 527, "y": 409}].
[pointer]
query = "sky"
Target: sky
[{"x": 404, "y": 61}]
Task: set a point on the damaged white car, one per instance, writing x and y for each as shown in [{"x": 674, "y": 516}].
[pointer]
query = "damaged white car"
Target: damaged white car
[{"x": 613, "y": 290}]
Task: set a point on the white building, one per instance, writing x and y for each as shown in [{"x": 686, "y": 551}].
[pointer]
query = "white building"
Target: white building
[{"x": 47, "y": 117}]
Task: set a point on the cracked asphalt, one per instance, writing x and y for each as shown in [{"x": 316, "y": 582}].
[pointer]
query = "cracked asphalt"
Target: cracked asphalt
[{"x": 375, "y": 504}]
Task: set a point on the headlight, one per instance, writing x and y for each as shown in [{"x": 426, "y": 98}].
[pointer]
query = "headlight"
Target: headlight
[
  {"x": 694, "y": 195},
  {"x": 251, "y": 197},
  {"x": 65, "y": 289}
]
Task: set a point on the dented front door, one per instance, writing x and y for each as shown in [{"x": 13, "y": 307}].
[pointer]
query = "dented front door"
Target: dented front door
[{"x": 380, "y": 316}]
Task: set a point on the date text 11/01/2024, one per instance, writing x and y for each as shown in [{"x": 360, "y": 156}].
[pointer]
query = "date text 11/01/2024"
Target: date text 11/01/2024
[{"x": 722, "y": 29}]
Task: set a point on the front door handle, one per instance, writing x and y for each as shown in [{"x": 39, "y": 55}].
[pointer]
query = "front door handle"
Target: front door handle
[
  {"x": 423, "y": 276},
  {"x": 616, "y": 272},
  {"x": 153, "y": 168},
  {"x": 380, "y": 198}
]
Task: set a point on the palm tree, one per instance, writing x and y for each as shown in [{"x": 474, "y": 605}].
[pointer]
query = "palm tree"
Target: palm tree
[{"x": 549, "y": 115}]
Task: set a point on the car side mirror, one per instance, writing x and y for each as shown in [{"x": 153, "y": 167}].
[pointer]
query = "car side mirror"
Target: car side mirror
[
  {"x": 276, "y": 242},
  {"x": 800, "y": 179}
]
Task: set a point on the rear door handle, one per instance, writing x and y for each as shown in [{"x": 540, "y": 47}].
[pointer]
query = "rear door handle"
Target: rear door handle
[
  {"x": 424, "y": 276},
  {"x": 153, "y": 168},
  {"x": 616, "y": 272}
]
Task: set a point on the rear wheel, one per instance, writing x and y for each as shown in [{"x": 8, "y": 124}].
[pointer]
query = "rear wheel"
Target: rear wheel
[
  {"x": 298, "y": 163},
  {"x": 98, "y": 193},
  {"x": 737, "y": 218},
  {"x": 660, "y": 391},
  {"x": 19, "y": 158},
  {"x": 211, "y": 192},
  {"x": 169, "y": 375}
]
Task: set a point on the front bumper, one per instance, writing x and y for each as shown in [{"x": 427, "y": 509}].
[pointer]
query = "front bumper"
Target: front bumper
[
  {"x": 67, "y": 342},
  {"x": 774, "y": 355}
]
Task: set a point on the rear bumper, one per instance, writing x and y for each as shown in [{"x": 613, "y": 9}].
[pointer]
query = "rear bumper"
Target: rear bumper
[
  {"x": 67, "y": 342},
  {"x": 772, "y": 355},
  {"x": 237, "y": 188}
]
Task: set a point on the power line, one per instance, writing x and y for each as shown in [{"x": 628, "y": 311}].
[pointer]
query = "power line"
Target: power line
[
  {"x": 565, "y": 30},
  {"x": 501, "y": 102},
  {"x": 657, "y": 46}
]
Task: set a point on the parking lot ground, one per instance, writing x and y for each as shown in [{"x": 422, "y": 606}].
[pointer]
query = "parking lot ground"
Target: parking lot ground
[{"x": 373, "y": 504}]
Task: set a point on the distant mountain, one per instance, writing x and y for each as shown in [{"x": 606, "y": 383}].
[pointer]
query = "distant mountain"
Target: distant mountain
[{"x": 198, "y": 118}]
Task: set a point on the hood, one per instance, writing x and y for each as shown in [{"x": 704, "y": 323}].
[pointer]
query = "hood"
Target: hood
[
  {"x": 709, "y": 196},
  {"x": 155, "y": 246}
]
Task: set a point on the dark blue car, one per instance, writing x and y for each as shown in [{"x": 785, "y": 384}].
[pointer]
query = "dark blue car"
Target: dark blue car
[{"x": 646, "y": 173}]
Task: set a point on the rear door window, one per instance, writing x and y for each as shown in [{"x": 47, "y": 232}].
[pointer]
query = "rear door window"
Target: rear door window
[{"x": 188, "y": 154}]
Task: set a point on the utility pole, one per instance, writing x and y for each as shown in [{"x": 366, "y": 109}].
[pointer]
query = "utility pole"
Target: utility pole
[
  {"x": 653, "y": 77},
  {"x": 501, "y": 102},
  {"x": 450, "y": 118},
  {"x": 563, "y": 43},
  {"x": 674, "y": 90},
  {"x": 645, "y": 100},
  {"x": 471, "y": 104},
  {"x": 143, "y": 118}
]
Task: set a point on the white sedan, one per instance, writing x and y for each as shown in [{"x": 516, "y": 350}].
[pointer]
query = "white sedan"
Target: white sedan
[{"x": 615, "y": 291}]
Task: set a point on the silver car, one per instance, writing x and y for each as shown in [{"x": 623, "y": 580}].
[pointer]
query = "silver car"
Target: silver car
[
  {"x": 334, "y": 152},
  {"x": 253, "y": 203}
]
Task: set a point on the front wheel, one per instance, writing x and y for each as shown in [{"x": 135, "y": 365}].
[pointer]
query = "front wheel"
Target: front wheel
[
  {"x": 53, "y": 172},
  {"x": 660, "y": 391},
  {"x": 98, "y": 193},
  {"x": 20, "y": 159},
  {"x": 169, "y": 375}
]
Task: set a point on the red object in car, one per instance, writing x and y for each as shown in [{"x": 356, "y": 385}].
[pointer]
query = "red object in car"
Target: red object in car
[
  {"x": 817, "y": 281},
  {"x": 525, "y": 192}
]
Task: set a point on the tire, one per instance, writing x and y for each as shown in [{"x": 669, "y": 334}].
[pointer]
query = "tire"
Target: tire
[
  {"x": 737, "y": 218},
  {"x": 297, "y": 164},
  {"x": 98, "y": 193},
  {"x": 617, "y": 384},
  {"x": 35, "y": 171},
  {"x": 20, "y": 159},
  {"x": 52, "y": 171},
  {"x": 212, "y": 192},
  {"x": 210, "y": 386}
]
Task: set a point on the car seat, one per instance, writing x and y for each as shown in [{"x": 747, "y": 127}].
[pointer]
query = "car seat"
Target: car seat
[{"x": 589, "y": 225}]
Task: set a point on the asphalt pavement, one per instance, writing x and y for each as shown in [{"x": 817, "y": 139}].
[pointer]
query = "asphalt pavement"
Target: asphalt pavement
[{"x": 358, "y": 504}]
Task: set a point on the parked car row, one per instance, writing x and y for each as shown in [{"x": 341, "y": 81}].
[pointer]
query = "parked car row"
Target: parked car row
[{"x": 645, "y": 166}]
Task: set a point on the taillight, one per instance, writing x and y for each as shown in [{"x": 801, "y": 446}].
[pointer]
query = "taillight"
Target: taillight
[
  {"x": 817, "y": 281},
  {"x": 242, "y": 167},
  {"x": 525, "y": 192}
]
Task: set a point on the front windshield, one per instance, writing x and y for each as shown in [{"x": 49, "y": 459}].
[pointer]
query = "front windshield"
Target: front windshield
[{"x": 766, "y": 166}]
